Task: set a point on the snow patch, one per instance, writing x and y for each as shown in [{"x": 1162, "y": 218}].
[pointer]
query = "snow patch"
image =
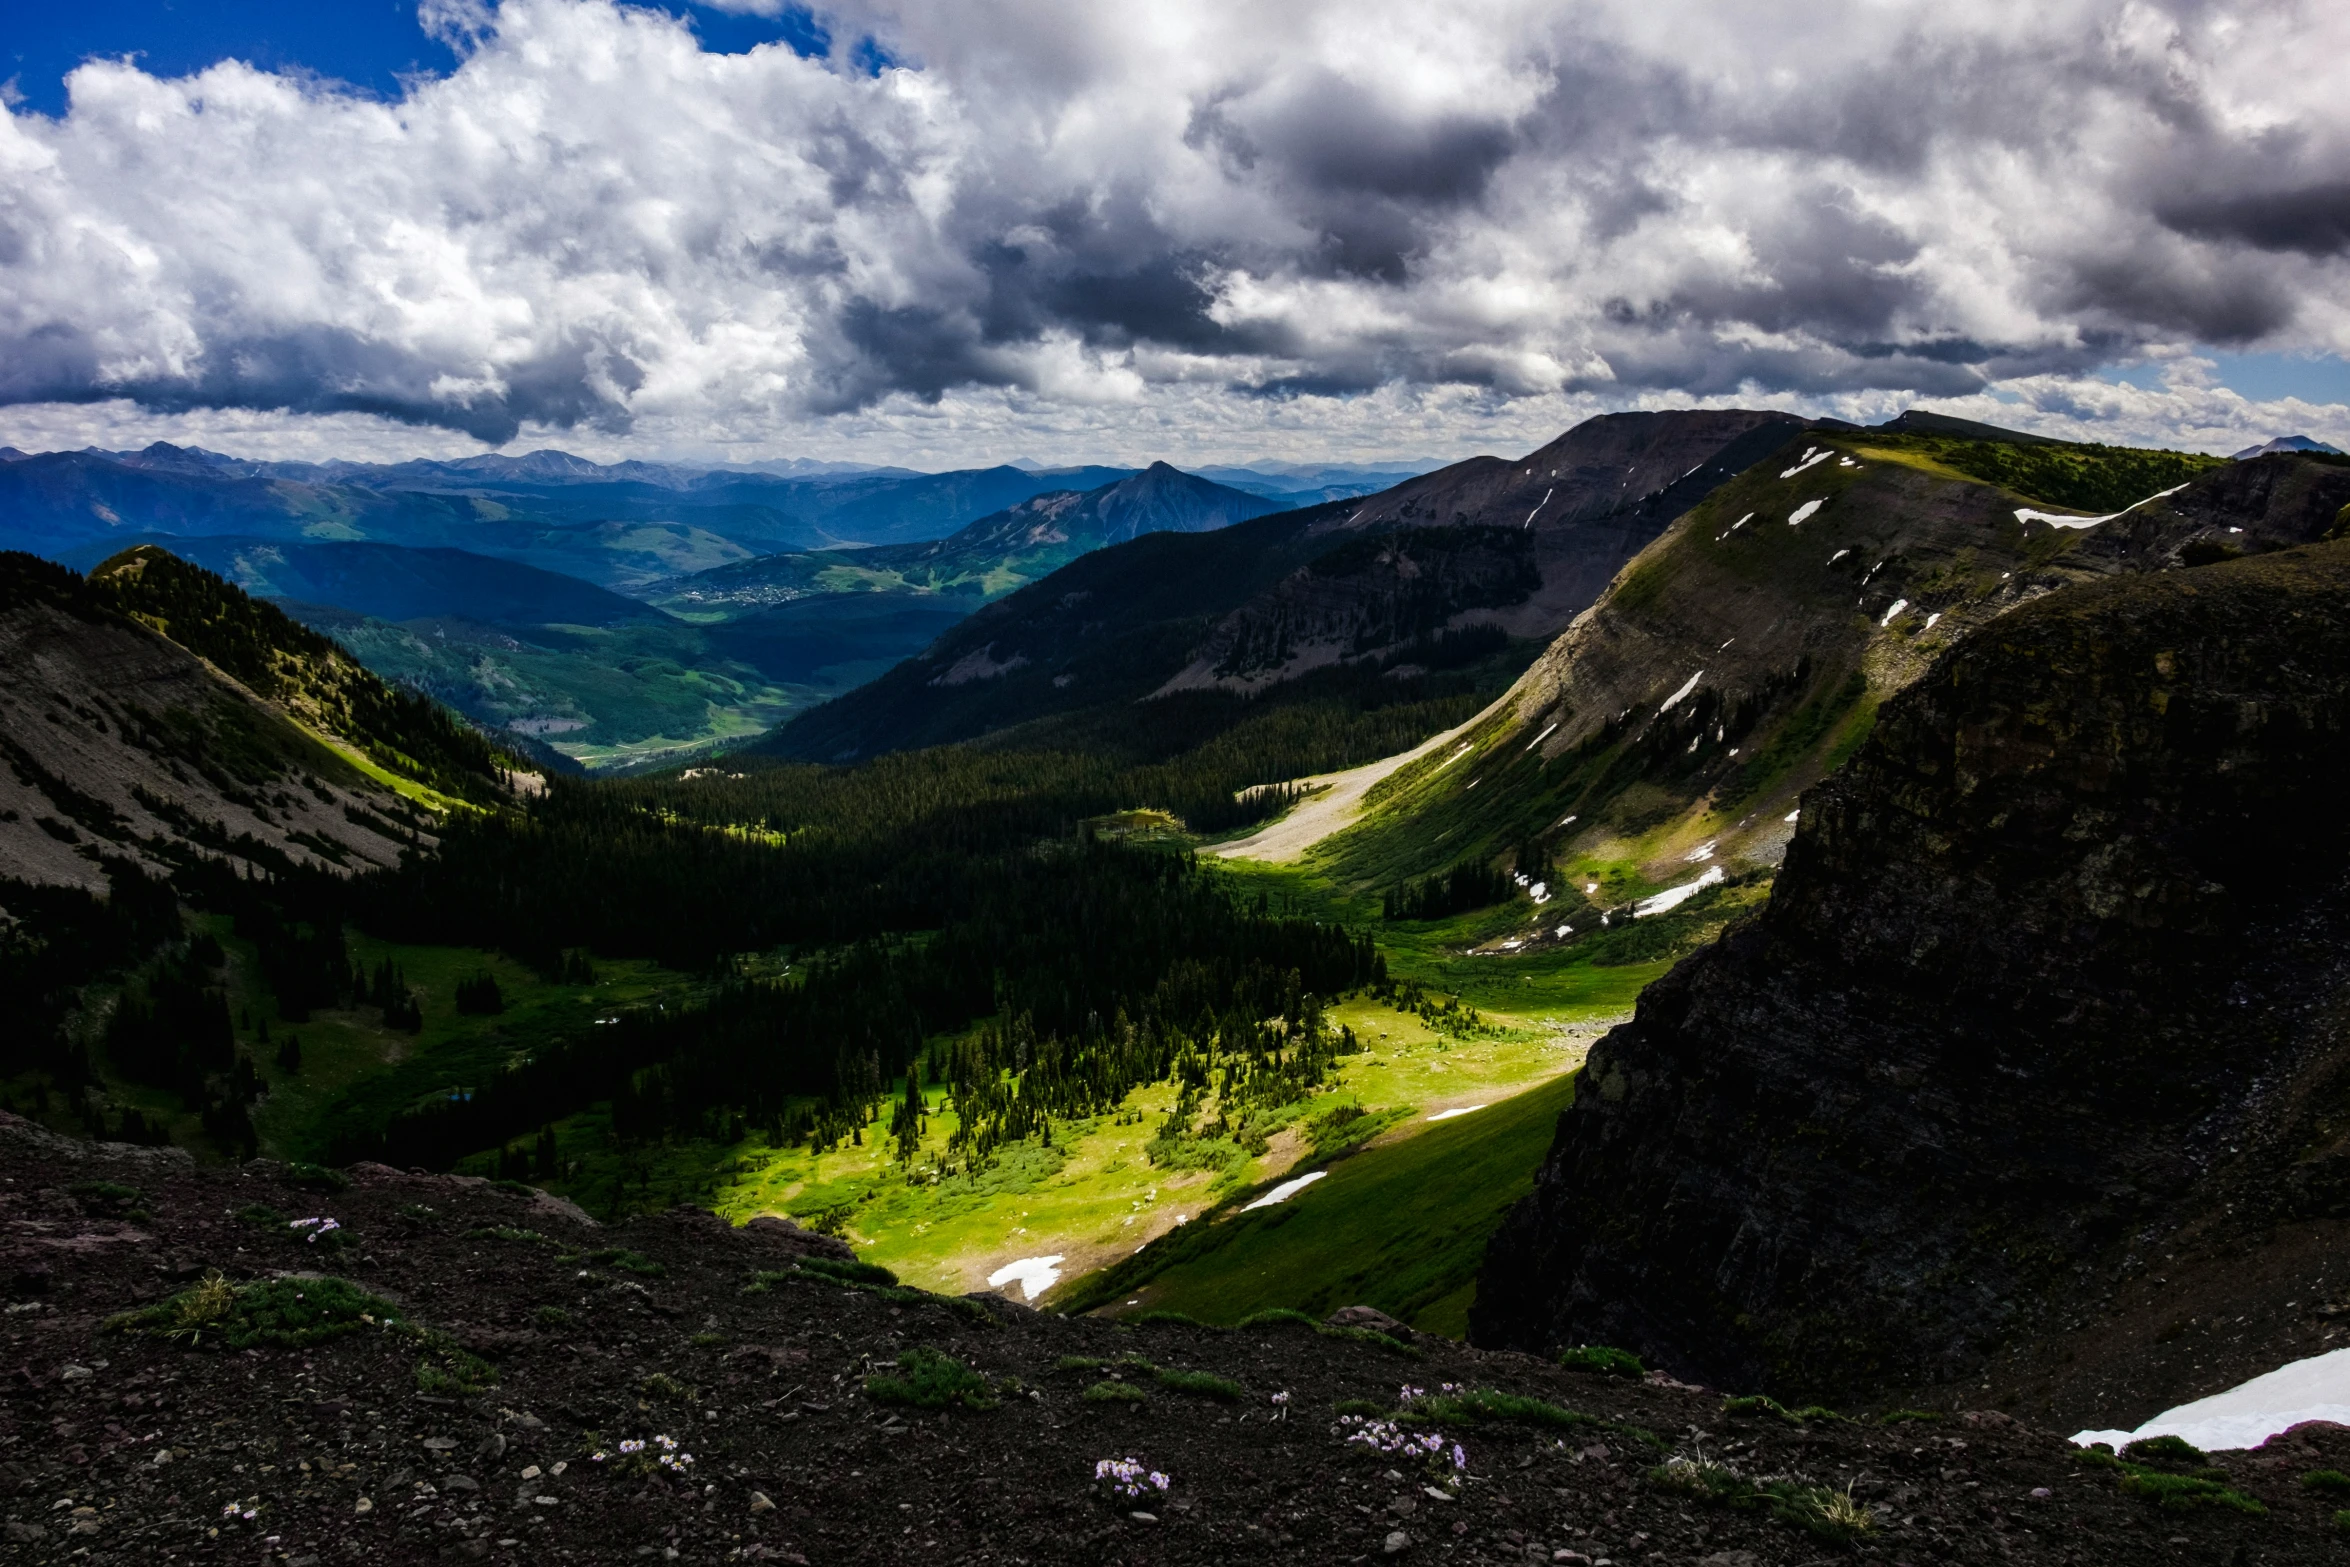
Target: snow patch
[
  {"x": 1898, "y": 606},
  {"x": 1734, "y": 527},
  {"x": 1538, "y": 505},
  {"x": 1285, "y": 1191},
  {"x": 1674, "y": 897},
  {"x": 2249, "y": 1414},
  {"x": 1930, "y": 619},
  {"x": 1812, "y": 457},
  {"x": 1704, "y": 851},
  {"x": 1538, "y": 739},
  {"x": 1840, "y": 554},
  {"x": 2059, "y": 520},
  {"x": 1791, "y": 815},
  {"x": 1796, "y": 517},
  {"x": 1446, "y": 1115},
  {"x": 1673, "y": 700},
  {"x": 1466, "y": 748},
  {"x": 1034, "y": 1275}
]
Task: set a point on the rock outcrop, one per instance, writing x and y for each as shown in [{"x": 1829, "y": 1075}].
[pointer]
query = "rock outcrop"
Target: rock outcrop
[{"x": 2054, "y": 968}]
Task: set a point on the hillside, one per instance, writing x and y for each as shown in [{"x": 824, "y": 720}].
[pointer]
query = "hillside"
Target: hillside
[
  {"x": 1264, "y": 604},
  {"x": 473, "y": 1372},
  {"x": 2026, "y": 1075},
  {"x": 126, "y": 742},
  {"x": 1744, "y": 654},
  {"x": 984, "y": 560}
]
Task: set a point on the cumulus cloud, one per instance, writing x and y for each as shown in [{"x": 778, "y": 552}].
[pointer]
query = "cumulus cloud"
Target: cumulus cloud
[{"x": 1184, "y": 220}]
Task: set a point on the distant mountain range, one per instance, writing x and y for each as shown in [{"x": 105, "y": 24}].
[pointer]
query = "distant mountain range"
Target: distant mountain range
[
  {"x": 506, "y": 587},
  {"x": 985, "y": 560}
]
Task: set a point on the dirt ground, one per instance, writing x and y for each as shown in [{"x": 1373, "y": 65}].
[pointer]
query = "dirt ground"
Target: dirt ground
[{"x": 119, "y": 1447}]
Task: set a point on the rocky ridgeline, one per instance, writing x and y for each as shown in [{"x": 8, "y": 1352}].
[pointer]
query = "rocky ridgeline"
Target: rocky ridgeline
[
  {"x": 278, "y": 1365},
  {"x": 2047, "y": 994}
]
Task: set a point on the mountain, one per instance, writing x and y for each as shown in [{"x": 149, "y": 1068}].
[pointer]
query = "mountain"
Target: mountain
[
  {"x": 2030, "y": 1074},
  {"x": 620, "y": 526},
  {"x": 2287, "y": 443},
  {"x": 984, "y": 560},
  {"x": 395, "y": 582},
  {"x": 1514, "y": 548},
  {"x": 1743, "y": 655},
  {"x": 155, "y": 716}
]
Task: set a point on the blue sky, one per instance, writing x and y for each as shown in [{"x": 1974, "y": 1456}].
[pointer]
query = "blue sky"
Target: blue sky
[
  {"x": 370, "y": 44},
  {"x": 1213, "y": 230}
]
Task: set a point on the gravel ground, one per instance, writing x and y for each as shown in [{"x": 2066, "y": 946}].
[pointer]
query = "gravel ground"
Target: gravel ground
[{"x": 125, "y": 1446}]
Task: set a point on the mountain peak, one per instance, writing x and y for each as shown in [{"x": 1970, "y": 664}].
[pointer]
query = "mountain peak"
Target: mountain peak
[{"x": 2287, "y": 443}]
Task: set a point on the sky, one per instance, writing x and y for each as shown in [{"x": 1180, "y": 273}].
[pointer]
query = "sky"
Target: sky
[{"x": 942, "y": 232}]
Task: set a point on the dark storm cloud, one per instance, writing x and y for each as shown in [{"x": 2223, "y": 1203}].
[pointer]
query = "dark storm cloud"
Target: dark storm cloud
[{"x": 2312, "y": 219}]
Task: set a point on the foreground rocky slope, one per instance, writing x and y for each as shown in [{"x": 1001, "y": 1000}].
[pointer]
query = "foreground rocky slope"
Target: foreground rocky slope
[
  {"x": 506, "y": 1341},
  {"x": 2044, "y": 1013}
]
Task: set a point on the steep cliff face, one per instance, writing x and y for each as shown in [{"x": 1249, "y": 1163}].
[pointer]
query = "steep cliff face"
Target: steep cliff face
[{"x": 2053, "y": 973}]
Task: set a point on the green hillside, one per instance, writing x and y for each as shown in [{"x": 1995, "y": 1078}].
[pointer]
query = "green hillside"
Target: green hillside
[
  {"x": 282, "y": 660},
  {"x": 1400, "y": 1225}
]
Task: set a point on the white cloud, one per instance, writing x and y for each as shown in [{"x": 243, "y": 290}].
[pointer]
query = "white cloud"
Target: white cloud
[{"x": 1188, "y": 228}]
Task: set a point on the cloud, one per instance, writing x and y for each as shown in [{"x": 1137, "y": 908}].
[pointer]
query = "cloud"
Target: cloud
[{"x": 1185, "y": 216}]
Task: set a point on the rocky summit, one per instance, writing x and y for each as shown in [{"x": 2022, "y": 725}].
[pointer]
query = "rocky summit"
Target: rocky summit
[
  {"x": 2044, "y": 1008},
  {"x": 294, "y": 1366}
]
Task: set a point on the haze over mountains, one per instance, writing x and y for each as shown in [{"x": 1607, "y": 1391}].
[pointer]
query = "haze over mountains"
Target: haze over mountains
[{"x": 531, "y": 592}]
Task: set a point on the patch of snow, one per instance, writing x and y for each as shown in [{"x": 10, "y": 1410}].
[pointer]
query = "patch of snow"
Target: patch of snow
[
  {"x": 1538, "y": 739},
  {"x": 1446, "y": 1115},
  {"x": 1589, "y": 888},
  {"x": 1734, "y": 527},
  {"x": 1840, "y": 554},
  {"x": 1539, "y": 891},
  {"x": 1285, "y": 1191},
  {"x": 1704, "y": 851},
  {"x": 1813, "y": 456},
  {"x": 1035, "y": 1275},
  {"x": 1846, "y": 462},
  {"x": 1466, "y": 748},
  {"x": 1726, "y": 644},
  {"x": 1791, "y": 815},
  {"x": 2249, "y": 1414},
  {"x": 1564, "y": 820},
  {"x": 1674, "y": 897},
  {"x": 1898, "y": 606},
  {"x": 1538, "y": 505},
  {"x": 1672, "y": 701},
  {"x": 1930, "y": 619},
  {"x": 2059, "y": 520},
  {"x": 1796, "y": 517},
  {"x": 1565, "y": 930}
]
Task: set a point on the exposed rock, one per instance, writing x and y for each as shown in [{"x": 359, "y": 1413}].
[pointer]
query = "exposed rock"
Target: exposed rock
[{"x": 2052, "y": 966}]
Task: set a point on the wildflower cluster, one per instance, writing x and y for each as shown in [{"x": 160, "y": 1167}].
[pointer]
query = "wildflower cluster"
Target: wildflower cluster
[
  {"x": 1125, "y": 1478},
  {"x": 246, "y": 1510},
  {"x": 1281, "y": 1406},
  {"x": 1385, "y": 1436},
  {"x": 1407, "y": 1395},
  {"x": 316, "y": 1227},
  {"x": 632, "y": 1455}
]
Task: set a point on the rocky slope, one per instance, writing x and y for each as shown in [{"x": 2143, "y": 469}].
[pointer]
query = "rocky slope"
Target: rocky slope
[
  {"x": 121, "y": 743},
  {"x": 2045, "y": 1007},
  {"x": 459, "y": 1372}
]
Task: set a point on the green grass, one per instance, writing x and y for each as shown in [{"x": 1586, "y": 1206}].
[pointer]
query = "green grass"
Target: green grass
[
  {"x": 928, "y": 1379},
  {"x": 1401, "y": 1226},
  {"x": 285, "y": 1313}
]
